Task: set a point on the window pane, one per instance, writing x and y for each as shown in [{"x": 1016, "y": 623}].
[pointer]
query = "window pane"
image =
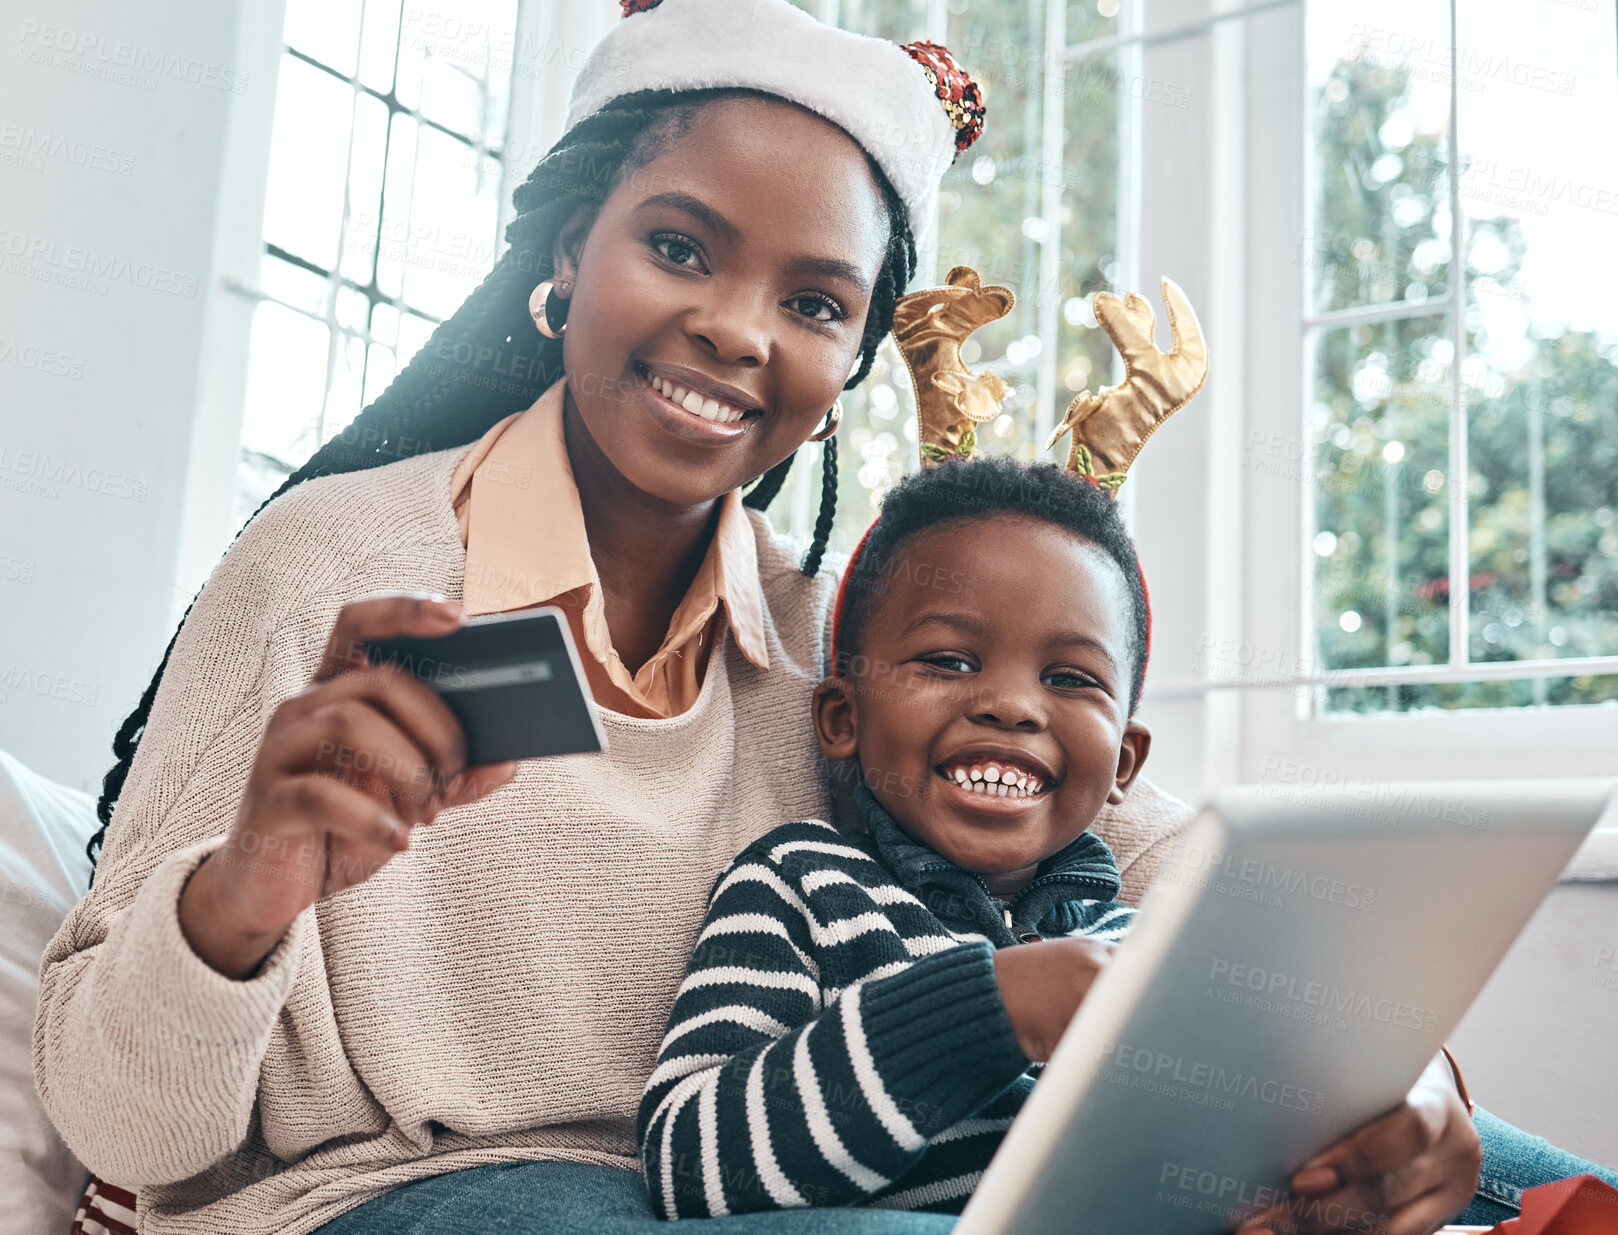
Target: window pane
[
  {"x": 452, "y": 236},
  {"x": 877, "y": 441},
  {"x": 379, "y": 371},
  {"x": 379, "y": 44},
  {"x": 413, "y": 333},
  {"x": 402, "y": 210},
  {"x": 286, "y": 383},
  {"x": 876, "y": 446},
  {"x": 1458, "y": 696},
  {"x": 308, "y": 162},
  {"x": 900, "y": 20},
  {"x": 1089, "y": 264},
  {"x": 352, "y": 309},
  {"x": 293, "y": 285},
  {"x": 1093, "y": 19},
  {"x": 328, "y": 30},
  {"x": 1380, "y": 429},
  {"x": 1379, "y": 225},
  {"x": 990, "y": 207},
  {"x": 455, "y": 63},
  {"x": 397, "y": 186},
  {"x": 344, "y": 401},
  {"x": 990, "y": 218},
  {"x": 365, "y": 170},
  {"x": 385, "y": 323},
  {"x": 1538, "y": 200}
]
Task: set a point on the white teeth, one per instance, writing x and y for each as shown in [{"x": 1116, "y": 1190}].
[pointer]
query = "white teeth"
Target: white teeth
[
  {"x": 698, "y": 405},
  {"x": 996, "y": 781}
]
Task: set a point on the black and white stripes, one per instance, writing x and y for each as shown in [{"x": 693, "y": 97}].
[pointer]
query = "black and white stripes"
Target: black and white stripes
[{"x": 834, "y": 1042}]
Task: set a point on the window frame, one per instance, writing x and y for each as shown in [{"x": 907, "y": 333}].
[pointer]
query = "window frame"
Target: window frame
[
  {"x": 1283, "y": 735},
  {"x": 534, "y": 119}
]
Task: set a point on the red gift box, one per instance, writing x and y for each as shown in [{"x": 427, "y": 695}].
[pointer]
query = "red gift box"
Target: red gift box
[{"x": 1582, "y": 1205}]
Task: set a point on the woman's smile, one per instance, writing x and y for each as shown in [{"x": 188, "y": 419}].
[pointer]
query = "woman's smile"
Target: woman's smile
[{"x": 693, "y": 407}]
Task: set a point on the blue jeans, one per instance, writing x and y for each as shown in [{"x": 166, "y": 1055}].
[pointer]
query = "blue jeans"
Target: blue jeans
[
  {"x": 569, "y": 1198},
  {"x": 1513, "y": 1162},
  {"x": 566, "y": 1198}
]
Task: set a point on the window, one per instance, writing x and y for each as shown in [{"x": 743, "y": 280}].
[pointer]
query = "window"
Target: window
[
  {"x": 1289, "y": 163},
  {"x": 381, "y": 213},
  {"x": 1453, "y": 330},
  {"x": 1031, "y": 205}
]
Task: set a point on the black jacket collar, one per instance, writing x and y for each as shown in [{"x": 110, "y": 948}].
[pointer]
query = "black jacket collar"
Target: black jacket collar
[{"x": 1050, "y": 905}]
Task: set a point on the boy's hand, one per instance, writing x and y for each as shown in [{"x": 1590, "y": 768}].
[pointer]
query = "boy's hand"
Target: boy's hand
[
  {"x": 1042, "y": 985},
  {"x": 1406, "y": 1173}
]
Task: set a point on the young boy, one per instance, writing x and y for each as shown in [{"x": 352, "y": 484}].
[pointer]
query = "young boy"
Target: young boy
[{"x": 853, "y": 1028}]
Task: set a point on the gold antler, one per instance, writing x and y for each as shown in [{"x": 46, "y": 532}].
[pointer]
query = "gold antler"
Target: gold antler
[
  {"x": 1155, "y": 386},
  {"x": 951, "y": 400}
]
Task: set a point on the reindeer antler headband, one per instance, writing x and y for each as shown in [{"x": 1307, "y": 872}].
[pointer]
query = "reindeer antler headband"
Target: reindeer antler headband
[{"x": 1109, "y": 427}]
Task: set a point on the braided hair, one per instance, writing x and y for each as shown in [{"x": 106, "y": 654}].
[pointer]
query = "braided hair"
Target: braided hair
[{"x": 462, "y": 381}]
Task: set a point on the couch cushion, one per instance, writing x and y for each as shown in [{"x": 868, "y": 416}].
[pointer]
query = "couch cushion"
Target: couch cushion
[
  {"x": 43, "y": 872},
  {"x": 1141, "y": 832}
]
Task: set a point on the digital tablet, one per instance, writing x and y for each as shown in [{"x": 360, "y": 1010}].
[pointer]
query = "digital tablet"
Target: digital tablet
[
  {"x": 513, "y": 680},
  {"x": 1292, "y": 972}
]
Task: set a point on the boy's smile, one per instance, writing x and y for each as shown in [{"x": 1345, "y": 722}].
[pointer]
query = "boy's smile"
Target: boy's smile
[{"x": 988, "y": 701}]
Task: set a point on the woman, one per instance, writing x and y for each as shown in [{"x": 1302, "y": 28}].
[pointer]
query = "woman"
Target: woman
[{"x": 331, "y": 978}]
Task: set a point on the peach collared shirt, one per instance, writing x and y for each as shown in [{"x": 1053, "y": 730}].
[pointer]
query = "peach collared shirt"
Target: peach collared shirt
[{"x": 517, "y": 504}]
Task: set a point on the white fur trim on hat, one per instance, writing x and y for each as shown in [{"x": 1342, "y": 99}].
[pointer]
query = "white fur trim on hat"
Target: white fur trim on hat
[{"x": 871, "y": 88}]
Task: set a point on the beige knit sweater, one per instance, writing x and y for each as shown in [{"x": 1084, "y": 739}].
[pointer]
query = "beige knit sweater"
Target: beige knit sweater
[{"x": 496, "y": 992}]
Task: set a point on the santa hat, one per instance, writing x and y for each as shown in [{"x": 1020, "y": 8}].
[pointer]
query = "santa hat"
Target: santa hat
[{"x": 911, "y": 107}]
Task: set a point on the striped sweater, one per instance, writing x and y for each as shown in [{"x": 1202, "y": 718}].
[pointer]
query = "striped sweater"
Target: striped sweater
[{"x": 840, "y": 1038}]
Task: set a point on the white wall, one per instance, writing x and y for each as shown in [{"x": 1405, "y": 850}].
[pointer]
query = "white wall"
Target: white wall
[
  {"x": 1537, "y": 1046},
  {"x": 112, "y": 142}
]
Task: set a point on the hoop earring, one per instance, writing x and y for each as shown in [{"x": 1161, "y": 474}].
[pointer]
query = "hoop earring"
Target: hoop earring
[
  {"x": 541, "y": 307},
  {"x": 833, "y": 419}
]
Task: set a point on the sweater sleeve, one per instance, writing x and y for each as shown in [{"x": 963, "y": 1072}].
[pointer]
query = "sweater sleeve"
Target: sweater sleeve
[
  {"x": 764, "y": 1097},
  {"x": 146, "y": 1058}
]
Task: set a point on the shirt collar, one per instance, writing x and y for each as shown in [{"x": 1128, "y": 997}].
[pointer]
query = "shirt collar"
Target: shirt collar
[
  {"x": 1084, "y": 870},
  {"x": 526, "y": 542}
]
